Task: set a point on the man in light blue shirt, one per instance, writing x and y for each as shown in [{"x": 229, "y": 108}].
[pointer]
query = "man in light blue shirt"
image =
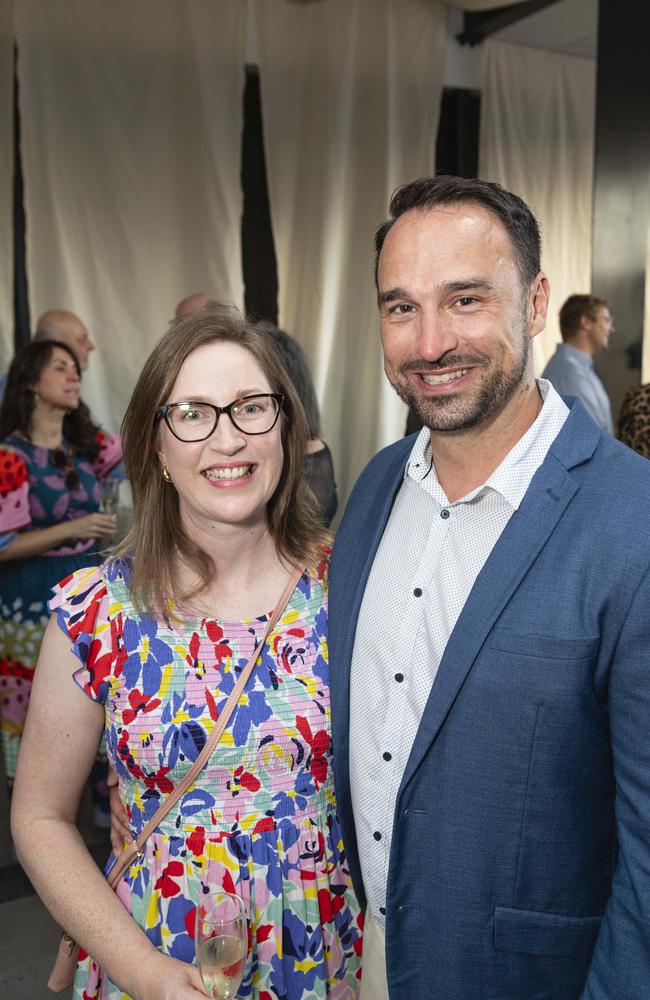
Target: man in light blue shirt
[{"x": 585, "y": 324}]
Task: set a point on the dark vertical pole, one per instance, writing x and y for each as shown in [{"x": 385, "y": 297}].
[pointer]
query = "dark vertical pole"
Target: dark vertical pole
[
  {"x": 621, "y": 187},
  {"x": 258, "y": 250},
  {"x": 21, "y": 304}
]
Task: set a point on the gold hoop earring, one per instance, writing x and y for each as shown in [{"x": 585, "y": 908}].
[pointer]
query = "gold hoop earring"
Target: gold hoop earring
[{"x": 165, "y": 474}]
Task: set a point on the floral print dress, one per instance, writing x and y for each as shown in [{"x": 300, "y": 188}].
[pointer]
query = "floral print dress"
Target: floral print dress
[
  {"x": 33, "y": 495},
  {"x": 261, "y": 819}
]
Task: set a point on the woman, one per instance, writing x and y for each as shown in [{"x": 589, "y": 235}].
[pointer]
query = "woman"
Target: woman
[
  {"x": 214, "y": 439},
  {"x": 319, "y": 465},
  {"x": 52, "y": 463}
]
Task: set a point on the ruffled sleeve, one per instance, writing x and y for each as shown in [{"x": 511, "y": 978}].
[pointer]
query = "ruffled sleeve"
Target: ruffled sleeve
[
  {"x": 81, "y": 605},
  {"x": 14, "y": 496},
  {"x": 109, "y": 461}
]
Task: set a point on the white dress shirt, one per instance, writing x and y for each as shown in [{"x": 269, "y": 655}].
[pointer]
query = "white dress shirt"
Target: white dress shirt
[{"x": 426, "y": 564}]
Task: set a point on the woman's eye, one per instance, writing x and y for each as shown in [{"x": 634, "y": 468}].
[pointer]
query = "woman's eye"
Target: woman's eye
[
  {"x": 250, "y": 409},
  {"x": 191, "y": 416}
]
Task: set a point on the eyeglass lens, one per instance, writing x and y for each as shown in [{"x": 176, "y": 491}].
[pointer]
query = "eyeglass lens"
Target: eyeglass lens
[{"x": 197, "y": 421}]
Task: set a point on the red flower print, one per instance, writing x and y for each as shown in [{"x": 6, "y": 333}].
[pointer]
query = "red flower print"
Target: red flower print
[
  {"x": 243, "y": 779},
  {"x": 160, "y": 780},
  {"x": 13, "y": 472},
  {"x": 99, "y": 666},
  {"x": 139, "y": 703},
  {"x": 190, "y": 922},
  {"x": 212, "y": 705},
  {"x": 227, "y": 884},
  {"x": 196, "y": 841},
  {"x": 166, "y": 882},
  {"x": 215, "y": 634},
  {"x": 263, "y": 932},
  {"x": 320, "y": 744}
]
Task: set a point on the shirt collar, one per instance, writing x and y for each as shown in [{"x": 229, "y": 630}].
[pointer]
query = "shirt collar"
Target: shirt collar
[{"x": 512, "y": 477}]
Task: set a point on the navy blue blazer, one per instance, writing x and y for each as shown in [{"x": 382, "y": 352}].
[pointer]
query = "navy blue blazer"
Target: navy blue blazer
[{"x": 520, "y": 860}]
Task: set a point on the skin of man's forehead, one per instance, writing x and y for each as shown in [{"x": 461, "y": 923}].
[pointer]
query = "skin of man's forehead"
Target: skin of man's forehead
[{"x": 450, "y": 238}]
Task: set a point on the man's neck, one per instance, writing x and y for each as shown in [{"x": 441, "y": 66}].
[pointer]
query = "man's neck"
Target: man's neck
[
  {"x": 581, "y": 343},
  {"x": 465, "y": 459}
]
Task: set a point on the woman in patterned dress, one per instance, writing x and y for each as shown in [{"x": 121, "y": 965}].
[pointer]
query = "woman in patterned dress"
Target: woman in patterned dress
[
  {"x": 52, "y": 461},
  {"x": 214, "y": 440}
]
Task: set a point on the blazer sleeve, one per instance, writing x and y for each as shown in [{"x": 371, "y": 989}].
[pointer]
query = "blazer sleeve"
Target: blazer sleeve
[{"x": 620, "y": 965}]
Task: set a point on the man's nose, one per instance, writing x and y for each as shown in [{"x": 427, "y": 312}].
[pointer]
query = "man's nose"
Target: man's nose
[{"x": 435, "y": 336}]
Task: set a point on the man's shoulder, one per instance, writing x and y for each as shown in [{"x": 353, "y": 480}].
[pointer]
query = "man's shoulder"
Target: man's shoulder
[{"x": 392, "y": 457}]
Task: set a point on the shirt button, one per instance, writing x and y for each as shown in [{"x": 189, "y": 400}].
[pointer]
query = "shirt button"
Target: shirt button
[
  {"x": 387, "y": 755},
  {"x": 377, "y": 835},
  {"x": 382, "y": 910},
  {"x": 444, "y": 513},
  {"x": 417, "y": 592},
  {"x": 399, "y": 678}
]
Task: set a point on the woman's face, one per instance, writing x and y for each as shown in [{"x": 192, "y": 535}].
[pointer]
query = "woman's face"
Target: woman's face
[
  {"x": 230, "y": 477},
  {"x": 59, "y": 384}
]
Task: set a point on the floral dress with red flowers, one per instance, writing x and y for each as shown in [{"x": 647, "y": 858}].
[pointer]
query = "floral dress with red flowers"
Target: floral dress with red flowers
[
  {"x": 261, "y": 819},
  {"x": 33, "y": 495}
]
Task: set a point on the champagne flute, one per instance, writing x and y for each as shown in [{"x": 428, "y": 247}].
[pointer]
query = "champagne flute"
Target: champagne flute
[
  {"x": 221, "y": 944},
  {"x": 110, "y": 496}
]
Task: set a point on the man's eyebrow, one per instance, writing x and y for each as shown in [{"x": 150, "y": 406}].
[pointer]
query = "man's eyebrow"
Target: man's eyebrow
[
  {"x": 468, "y": 285},
  {"x": 392, "y": 295}
]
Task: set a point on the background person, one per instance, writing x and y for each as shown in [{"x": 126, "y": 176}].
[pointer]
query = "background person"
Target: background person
[
  {"x": 586, "y": 325},
  {"x": 319, "y": 465},
  {"x": 214, "y": 441},
  {"x": 52, "y": 463}
]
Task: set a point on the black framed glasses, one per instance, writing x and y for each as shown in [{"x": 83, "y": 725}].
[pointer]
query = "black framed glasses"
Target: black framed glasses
[
  {"x": 62, "y": 462},
  {"x": 193, "y": 421}
]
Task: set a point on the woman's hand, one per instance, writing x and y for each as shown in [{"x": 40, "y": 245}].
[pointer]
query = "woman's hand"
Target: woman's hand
[
  {"x": 120, "y": 830},
  {"x": 92, "y": 526},
  {"x": 164, "y": 978}
]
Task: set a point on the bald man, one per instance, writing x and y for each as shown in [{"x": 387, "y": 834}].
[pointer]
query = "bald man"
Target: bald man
[
  {"x": 191, "y": 303},
  {"x": 59, "y": 324}
]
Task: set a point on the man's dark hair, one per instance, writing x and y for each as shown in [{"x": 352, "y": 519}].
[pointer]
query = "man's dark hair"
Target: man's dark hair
[
  {"x": 514, "y": 214},
  {"x": 575, "y": 307}
]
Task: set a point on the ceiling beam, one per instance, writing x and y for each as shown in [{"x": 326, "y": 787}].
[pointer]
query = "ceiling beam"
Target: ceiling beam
[{"x": 478, "y": 26}]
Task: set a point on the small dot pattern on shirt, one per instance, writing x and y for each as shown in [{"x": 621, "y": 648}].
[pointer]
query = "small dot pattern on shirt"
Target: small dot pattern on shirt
[{"x": 425, "y": 566}]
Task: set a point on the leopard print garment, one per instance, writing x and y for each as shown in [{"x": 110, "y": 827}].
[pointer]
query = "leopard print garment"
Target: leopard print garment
[{"x": 634, "y": 420}]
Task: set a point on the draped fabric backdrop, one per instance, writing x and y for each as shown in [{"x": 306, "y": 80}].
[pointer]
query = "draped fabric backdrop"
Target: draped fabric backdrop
[
  {"x": 537, "y": 139},
  {"x": 6, "y": 181},
  {"x": 350, "y": 99},
  {"x": 131, "y": 119}
]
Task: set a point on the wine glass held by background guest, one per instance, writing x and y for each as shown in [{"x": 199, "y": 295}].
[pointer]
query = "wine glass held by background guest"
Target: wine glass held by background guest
[
  {"x": 52, "y": 462},
  {"x": 318, "y": 466},
  {"x": 214, "y": 440}
]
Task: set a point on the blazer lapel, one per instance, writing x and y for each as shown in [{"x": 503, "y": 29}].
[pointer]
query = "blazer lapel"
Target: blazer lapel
[{"x": 529, "y": 527}]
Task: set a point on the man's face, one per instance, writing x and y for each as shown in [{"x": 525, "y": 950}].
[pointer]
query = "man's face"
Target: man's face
[
  {"x": 76, "y": 336},
  {"x": 599, "y": 327},
  {"x": 454, "y": 315}
]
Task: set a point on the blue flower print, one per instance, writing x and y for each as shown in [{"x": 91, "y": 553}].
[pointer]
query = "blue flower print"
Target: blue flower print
[{"x": 139, "y": 635}]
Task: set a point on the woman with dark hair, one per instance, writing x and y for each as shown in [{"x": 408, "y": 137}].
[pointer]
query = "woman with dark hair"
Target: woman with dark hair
[
  {"x": 319, "y": 466},
  {"x": 52, "y": 461},
  {"x": 214, "y": 442}
]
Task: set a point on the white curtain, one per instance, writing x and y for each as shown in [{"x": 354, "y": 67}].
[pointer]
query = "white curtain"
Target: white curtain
[
  {"x": 350, "y": 99},
  {"x": 537, "y": 139},
  {"x": 6, "y": 182},
  {"x": 131, "y": 116}
]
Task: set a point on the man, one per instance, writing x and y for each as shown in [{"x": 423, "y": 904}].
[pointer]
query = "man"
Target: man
[
  {"x": 59, "y": 324},
  {"x": 490, "y": 641},
  {"x": 192, "y": 303},
  {"x": 585, "y": 324}
]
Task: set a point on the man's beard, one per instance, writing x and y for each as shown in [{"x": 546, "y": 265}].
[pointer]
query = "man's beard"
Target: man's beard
[{"x": 454, "y": 411}]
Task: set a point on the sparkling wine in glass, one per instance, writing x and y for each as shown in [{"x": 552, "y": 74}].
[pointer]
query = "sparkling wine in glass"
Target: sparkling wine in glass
[
  {"x": 221, "y": 944},
  {"x": 110, "y": 496}
]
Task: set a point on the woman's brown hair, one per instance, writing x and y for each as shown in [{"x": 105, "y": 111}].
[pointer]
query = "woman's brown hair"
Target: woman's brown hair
[{"x": 157, "y": 540}]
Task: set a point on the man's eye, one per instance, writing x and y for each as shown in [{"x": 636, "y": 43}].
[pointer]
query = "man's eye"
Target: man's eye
[
  {"x": 401, "y": 309},
  {"x": 466, "y": 300}
]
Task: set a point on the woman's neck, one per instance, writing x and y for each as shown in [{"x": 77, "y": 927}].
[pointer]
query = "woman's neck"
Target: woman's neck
[
  {"x": 249, "y": 572},
  {"x": 46, "y": 425}
]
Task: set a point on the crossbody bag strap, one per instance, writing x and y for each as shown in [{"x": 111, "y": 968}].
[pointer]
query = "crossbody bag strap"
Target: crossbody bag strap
[{"x": 135, "y": 848}]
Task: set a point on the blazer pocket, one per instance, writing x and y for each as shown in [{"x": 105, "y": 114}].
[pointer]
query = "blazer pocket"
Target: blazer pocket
[
  {"x": 546, "y": 647},
  {"x": 529, "y": 932}
]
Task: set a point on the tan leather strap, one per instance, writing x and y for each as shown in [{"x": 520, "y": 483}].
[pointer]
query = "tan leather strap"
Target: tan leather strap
[{"x": 135, "y": 848}]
